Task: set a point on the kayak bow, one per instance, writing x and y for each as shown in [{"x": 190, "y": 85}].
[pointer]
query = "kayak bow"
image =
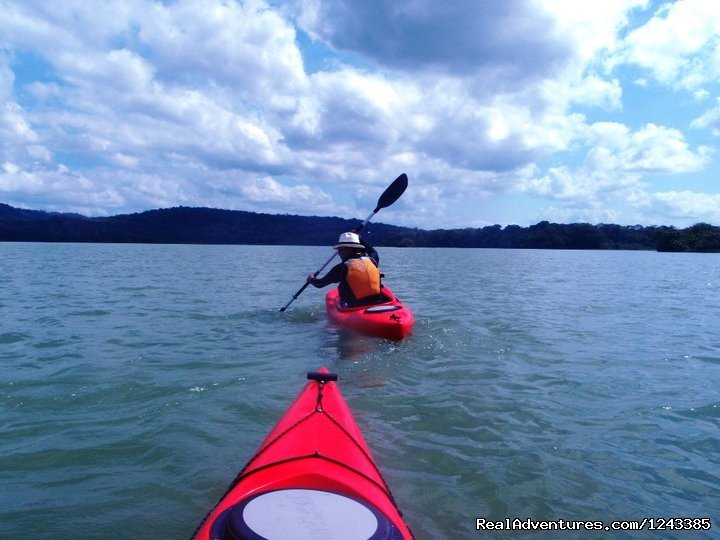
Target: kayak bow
[
  {"x": 391, "y": 319},
  {"x": 312, "y": 477}
]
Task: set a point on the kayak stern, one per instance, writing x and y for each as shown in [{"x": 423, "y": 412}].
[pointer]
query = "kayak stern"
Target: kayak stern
[{"x": 390, "y": 320}]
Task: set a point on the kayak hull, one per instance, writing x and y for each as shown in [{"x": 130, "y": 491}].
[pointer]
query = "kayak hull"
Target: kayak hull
[
  {"x": 391, "y": 319},
  {"x": 313, "y": 476}
]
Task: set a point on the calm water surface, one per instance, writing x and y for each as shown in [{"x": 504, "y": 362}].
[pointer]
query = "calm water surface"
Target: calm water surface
[{"x": 136, "y": 381}]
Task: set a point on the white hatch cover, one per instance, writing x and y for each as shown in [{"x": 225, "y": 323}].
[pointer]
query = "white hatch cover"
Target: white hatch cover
[
  {"x": 307, "y": 514},
  {"x": 382, "y": 309}
]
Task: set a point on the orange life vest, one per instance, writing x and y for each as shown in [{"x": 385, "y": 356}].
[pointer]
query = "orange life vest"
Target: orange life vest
[{"x": 363, "y": 277}]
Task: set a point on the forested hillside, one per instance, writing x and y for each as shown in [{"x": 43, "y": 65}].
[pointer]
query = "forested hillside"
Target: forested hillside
[{"x": 183, "y": 225}]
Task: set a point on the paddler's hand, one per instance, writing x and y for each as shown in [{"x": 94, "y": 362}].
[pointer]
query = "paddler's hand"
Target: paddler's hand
[{"x": 310, "y": 278}]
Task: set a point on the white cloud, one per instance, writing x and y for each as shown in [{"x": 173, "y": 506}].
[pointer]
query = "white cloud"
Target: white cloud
[
  {"x": 59, "y": 189},
  {"x": 13, "y": 178},
  {"x": 508, "y": 42},
  {"x": 244, "y": 46},
  {"x": 582, "y": 213},
  {"x": 20, "y": 140},
  {"x": 119, "y": 104},
  {"x": 651, "y": 149},
  {"x": 596, "y": 91},
  {"x": 710, "y": 119},
  {"x": 616, "y": 165},
  {"x": 687, "y": 207},
  {"x": 267, "y": 190},
  {"x": 352, "y": 106},
  {"x": 14, "y": 125},
  {"x": 679, "y": 44},
  {"x": 119, "y": 71},
  {"x": 209, "y": 102},
  {"x": 591, "y": 27}
]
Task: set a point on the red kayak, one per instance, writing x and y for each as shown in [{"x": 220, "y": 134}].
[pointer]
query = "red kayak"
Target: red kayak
[
  {"x": 312, "y": 477},
  {"x": 390, "y": 319}
]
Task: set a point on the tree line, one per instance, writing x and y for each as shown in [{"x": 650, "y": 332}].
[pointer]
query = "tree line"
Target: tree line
[
  {"x": 184, "y": 225},
  {"x": 545, "y": 235}
]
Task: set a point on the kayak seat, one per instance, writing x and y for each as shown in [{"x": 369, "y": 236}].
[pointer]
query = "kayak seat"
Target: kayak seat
[{"x": 284, "y": 514}]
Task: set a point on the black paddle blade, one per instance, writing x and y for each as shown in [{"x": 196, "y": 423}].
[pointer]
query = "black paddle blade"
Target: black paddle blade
[{"x": 393, "y": 192}]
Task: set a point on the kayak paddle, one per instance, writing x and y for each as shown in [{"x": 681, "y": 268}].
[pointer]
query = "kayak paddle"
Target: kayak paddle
[{"x": 389, "y": 196}]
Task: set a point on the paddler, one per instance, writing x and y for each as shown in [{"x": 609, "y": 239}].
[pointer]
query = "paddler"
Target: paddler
[{"x": 358, "y": 275}]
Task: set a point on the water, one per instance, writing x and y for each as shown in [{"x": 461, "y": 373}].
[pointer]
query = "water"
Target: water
[{"x": 137, "y": 380}]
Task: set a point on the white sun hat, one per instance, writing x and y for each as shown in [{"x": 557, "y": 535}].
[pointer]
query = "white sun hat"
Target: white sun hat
[{"x": 348, "y": 240}]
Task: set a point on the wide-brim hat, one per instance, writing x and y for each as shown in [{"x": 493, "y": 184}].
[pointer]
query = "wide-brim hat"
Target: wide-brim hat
[{"x": 349, "y": 240}]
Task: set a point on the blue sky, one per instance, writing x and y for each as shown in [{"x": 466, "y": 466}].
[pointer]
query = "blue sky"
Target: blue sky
[{"x": 504, "y": 113}]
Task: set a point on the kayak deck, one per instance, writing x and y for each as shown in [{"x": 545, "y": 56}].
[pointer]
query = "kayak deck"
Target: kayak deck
[
  {"x": 391, "y": 319},
  {"x": 312, "y": 477}
]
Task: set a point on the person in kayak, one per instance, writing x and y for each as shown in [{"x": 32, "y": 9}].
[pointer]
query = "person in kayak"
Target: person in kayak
[{"x": 358, "y": 275}]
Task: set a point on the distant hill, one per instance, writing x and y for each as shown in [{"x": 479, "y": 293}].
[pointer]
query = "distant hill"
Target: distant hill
[
  {"x": 184, "y": 225},
  {"x": 10, "y": 213},
  {"x": 181, "y": 225}
]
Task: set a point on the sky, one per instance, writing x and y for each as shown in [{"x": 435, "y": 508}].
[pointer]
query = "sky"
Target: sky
[{"x": 500, "y": 112}]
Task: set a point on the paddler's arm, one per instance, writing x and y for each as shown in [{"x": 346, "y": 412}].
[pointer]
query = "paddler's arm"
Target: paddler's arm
[
  {"x": 334, "y": 275},
  {"x": 371, "y": 252}
]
